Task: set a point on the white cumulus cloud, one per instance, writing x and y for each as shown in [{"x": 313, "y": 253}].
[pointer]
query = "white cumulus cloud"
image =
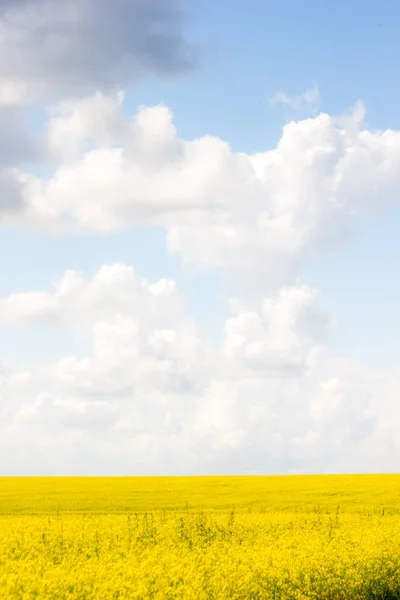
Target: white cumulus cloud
[
  {"x": 153, "y": 397},
  {"x": 258, "y": 216}
]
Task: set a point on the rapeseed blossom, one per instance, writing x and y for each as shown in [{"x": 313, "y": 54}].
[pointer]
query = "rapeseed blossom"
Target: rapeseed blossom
[{"x": 242, "y": 553}]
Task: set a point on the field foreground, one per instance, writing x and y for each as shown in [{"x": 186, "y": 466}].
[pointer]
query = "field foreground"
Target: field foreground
[{"x": 316, "y": 537}]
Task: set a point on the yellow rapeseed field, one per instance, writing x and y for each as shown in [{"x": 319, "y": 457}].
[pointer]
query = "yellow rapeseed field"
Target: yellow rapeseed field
[{"x": 200, "y": 538}]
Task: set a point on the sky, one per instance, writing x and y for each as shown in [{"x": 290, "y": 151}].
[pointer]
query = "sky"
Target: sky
[{"x": 199, "y": 207}]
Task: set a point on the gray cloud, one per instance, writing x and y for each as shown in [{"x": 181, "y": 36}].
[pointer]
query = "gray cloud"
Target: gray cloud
[
  {"x": 11, "y": 191},
  {"x": 18, "y": 144},
  {"x": 60, "y": 49}
]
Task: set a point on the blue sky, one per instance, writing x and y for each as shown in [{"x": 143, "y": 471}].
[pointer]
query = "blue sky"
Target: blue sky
[
  {"x": 251, "y": 51},
  {"x": 246, "y": 53}
]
